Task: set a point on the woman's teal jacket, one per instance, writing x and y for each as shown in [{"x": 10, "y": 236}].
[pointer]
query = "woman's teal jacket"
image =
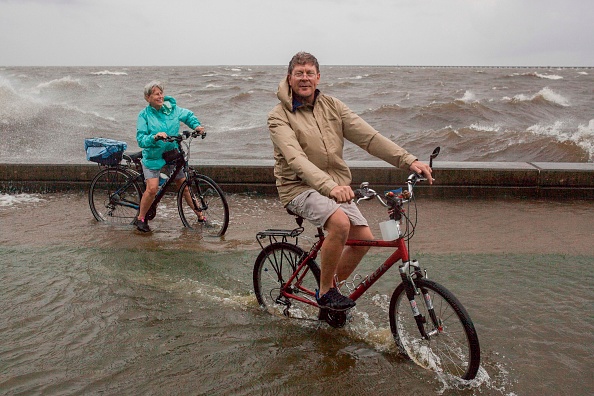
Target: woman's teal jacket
[{"x": 166, "y": 119}]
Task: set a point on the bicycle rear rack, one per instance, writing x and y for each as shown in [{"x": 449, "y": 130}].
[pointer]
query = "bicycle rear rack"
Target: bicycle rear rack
[{"x": 277, "y": 235}]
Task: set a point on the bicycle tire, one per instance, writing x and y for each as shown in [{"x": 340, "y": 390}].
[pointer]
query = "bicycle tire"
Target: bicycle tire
[
  {"x": 273, "y": 267},
  {"x": 114, "y": 196},
  {"x": 209, "y": 197},
  {"x": 453, "y": 348}
]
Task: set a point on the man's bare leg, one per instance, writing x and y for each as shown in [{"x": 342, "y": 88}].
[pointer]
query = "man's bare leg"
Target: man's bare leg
[
  {"x": 352, "y": 255},
  {"x": 337, "y": 231},
  {"x": 336, "y": 257}
]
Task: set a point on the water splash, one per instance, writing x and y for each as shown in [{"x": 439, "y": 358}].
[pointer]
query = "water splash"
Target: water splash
[{"x": 17, "y": 199}]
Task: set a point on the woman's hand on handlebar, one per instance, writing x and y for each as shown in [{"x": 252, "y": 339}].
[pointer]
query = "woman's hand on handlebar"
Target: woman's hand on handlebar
[
  {"x": 199, "y": 131},
  {"x": 422, "y": 168},
  {"x": 160, "y": 136}
]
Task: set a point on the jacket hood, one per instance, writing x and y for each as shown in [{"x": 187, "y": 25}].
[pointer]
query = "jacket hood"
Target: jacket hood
[
  {"x": 169, "y": 104},
  {"x": 285, "y": 94}
]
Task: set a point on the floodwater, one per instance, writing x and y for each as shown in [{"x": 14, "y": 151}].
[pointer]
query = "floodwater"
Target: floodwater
[{"x": 89, "y": 308}]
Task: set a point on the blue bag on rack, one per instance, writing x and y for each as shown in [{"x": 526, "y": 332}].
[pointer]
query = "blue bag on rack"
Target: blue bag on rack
[{"x": 105, "y": 151}]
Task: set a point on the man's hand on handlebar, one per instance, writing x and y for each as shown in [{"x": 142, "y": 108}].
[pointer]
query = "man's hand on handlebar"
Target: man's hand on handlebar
[
  {"x": 342, "y": 194},
  {"x": 423, "y": 169}
]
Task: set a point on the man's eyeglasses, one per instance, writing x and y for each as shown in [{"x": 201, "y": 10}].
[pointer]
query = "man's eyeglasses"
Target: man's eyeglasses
[{"x": 301, "y": 74}]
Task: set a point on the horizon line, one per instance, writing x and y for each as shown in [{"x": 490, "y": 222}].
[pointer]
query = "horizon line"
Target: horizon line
[{"x": 327, "y": 65}]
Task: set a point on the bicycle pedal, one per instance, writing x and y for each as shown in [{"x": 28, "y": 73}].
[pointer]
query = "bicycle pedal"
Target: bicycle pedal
[{"x": 336, "y": 319}]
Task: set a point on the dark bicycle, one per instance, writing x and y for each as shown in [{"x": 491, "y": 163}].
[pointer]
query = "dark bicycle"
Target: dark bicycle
[{"x": 115, "y": 192}]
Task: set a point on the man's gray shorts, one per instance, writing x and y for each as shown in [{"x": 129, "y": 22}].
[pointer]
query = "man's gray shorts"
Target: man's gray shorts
[{"x": 316, "y": 208}]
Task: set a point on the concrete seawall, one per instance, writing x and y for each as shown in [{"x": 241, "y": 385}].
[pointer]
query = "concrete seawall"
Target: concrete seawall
[{"x": 544, "y": 180}]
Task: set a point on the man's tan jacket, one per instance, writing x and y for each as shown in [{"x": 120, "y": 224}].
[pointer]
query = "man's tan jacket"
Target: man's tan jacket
[{"x": 308, "y": 144}]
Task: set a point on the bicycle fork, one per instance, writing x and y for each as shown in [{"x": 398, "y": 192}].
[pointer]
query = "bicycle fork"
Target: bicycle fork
[{"x": 411, "y": 291}]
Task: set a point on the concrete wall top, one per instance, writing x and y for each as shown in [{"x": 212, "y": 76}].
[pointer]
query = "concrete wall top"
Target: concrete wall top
[{"x": 481, "y": 179}]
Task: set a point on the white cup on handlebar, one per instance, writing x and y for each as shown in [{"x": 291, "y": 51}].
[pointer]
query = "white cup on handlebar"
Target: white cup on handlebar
[{"x": 390, "y": 230}]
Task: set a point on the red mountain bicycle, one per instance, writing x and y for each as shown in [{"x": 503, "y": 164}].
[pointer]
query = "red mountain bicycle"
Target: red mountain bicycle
[{"x": 428, "y": 323}]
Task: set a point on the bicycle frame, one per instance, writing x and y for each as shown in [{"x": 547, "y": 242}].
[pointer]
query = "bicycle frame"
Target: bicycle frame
[
  {"x": 401, "y": 253},
  {"x": 114, "y": 198},
  {"x": 180, "y": 165}
]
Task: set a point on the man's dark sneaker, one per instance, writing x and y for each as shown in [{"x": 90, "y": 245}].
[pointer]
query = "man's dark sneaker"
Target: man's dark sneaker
[
  {"x": 142, "y": 225},
  {"x": 332, "y": 299}
]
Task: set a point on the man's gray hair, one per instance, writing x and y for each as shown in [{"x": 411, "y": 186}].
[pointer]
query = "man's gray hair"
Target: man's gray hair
[
  {"x": 303, "y": 58},
  {"x": 148, "y": 88}
]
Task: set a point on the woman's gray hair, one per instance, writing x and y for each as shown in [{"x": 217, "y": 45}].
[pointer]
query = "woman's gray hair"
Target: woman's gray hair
[{"x": 148, "y": 88}]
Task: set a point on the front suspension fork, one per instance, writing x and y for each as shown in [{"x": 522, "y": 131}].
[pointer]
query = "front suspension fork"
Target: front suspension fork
[{"x": 412, "y": 291}]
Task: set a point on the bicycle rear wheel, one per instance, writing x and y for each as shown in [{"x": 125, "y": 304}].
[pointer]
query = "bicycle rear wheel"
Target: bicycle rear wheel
[
  {"x": 114, "y": 196},
  {"x": 209, "y": 199},
  {"x": 450, "y": 344},
  {"x": 273, "y": 267}
]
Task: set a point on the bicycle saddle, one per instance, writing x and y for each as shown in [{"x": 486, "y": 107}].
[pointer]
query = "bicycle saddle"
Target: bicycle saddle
[
  {"x": 135, "y": 157},
  {"x": 298, "y": 218}
]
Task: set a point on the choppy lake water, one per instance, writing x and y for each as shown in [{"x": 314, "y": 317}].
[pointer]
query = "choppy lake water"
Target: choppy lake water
[{"x": 474, "y": 113}]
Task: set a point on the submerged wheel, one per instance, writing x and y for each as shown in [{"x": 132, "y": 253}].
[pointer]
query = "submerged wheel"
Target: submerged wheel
[
  {"x": 451, "y": 345},
  {"x": 208, "y": 197},
  {"x": 273, "y": 268},
  {"x": 114, "y": 196}
]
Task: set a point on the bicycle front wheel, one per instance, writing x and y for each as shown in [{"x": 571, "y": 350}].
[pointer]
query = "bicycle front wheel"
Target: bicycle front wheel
[
  {"x": 114, "y": 196},
  {"x": 201, "y": 195},
  {"x": 273, "y": 268},
  {"x": 449, "y": 342}
]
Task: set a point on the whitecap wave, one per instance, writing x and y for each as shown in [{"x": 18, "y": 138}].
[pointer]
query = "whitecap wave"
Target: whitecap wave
[
  {"x": 549, "y": 76},
  {"x": 62, "y": 83},
  {"x": 539, "y": 75},
  {"x": 582, "y": 137},
  {"x": 485, "y": 128},
  {"x": 585, "y": 138},
  {"x": 109, "y": 73},
  {"x": 359, "y": 77},
  {"x": 468, "y": 97},
  {"x": 551, "y": 96},
  {"x": 546, "y": 93}
]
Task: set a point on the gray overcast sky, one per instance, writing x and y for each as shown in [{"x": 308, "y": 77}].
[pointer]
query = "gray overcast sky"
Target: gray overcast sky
[{"x": 269, "y": 32}]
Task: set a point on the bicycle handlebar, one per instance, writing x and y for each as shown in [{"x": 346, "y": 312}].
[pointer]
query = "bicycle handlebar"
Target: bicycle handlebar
[
  {"x": 364, "y": 193},
  {"x": 184, "y": 135}
]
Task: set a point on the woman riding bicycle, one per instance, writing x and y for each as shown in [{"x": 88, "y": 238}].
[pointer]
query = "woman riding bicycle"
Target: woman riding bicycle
[{"x": 161, "y": 118}]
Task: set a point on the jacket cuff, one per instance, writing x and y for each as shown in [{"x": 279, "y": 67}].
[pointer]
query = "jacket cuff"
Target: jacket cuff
[{"x": 327, "y": 187}]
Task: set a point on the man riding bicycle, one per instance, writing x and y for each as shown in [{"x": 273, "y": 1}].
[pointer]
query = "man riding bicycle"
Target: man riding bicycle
[{"x": 307, "y": 129}]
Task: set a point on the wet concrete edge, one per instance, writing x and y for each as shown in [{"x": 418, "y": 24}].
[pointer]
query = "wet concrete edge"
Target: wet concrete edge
[{"x": 544, "y": 180}]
